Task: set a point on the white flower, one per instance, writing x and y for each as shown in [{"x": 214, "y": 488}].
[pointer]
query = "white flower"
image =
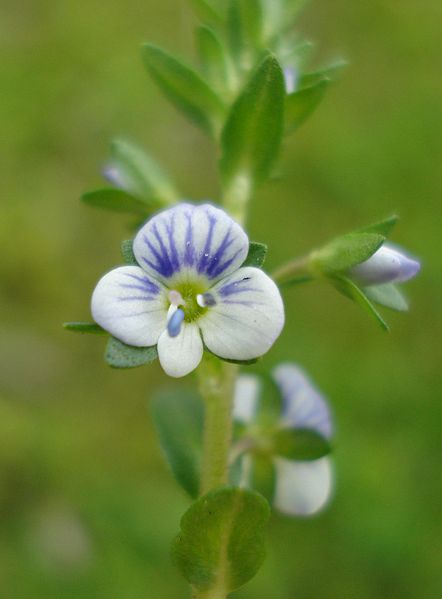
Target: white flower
[
  {"x": 301, "y": 488},
  {"x": 189, "y": 290},
  {"x": 388, "y": 264}
]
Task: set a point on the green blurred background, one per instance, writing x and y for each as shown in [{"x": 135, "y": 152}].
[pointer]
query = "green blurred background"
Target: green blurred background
[{"x": 88, "y": 507}]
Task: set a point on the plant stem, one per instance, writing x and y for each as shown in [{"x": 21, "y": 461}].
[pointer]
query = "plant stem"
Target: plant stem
[
  {"x": 294, "y": 268},
  {"x": 217, "y": 380}
]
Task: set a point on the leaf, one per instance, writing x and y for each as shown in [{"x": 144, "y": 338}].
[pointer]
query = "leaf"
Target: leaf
[
  {"x": 207, "y": 11},
  {"x": 178, "y": 416},
  {"x": 138, "y": 173},
  {"x": 245, "y": 28},
  {"x": 384, "y": 227},
  {"x": 252, "y": 135},
  {"x": 116, "y": 200},
  {"x": 84, "y": 327},
  {"x": 299, "y": 280},
  {"x": 387, "y": 295},
  {"x": 346, "y": 251},
  {"x": 127, "y": 252},
  {"x": 184, "y": 88},
  {"x": 352, "y": 291},
  {"x": 120, "y": 355},
  {"x": 328, "y": 72},
  {"x": 262, "y": 475},
  {"x": 222, "y": 540},
  {"x": 301, "y": 104},
  {"x": 257, "y": 255},
  {"x": 300, "y": 444},
  {"x": 229, "y": 361},
  {"x": 213, "y": 58}
]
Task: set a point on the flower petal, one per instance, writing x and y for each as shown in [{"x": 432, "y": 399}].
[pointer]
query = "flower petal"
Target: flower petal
[
  {"x": 130, "y": 305},
  {"x": 245, "y": 402},
  {"x": 303, "y": 405},
  {"x": 181, "y": 354},
  {"x": 388, "y": 265},
  {"x": 247, "y": 317},
  {"x": 302, "y": 488},
  {"x": 189, "y": 241}
]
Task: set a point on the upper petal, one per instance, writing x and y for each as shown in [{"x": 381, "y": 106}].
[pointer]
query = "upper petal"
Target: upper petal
[
  {"x": 130, "y": 305},
  {"x": 181, "y": 354},
  {"x": 303, "y": 405},
  {"x": 189, "y": 241},
  {"x": 302, "y": 488},
  {"x": 247, "y": 317}
]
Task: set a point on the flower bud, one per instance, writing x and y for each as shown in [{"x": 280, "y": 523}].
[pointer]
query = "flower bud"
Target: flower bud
[{"x": 386, "y": 265}]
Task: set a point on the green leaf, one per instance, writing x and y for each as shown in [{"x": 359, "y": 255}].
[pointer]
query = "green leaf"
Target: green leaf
[
  {"x": 120, "y": 355},
  {"x": 140, "y": 174},
  {"x": 184, "y": 88},
  {"x": 245, "y": 28},
  {"x": 127, "y": 252},
  {"x": 257, "y": 254},
  {"x": 178, "y": 416},
  {"x": 252, "y": 135},
  {"x": 384, "y": 227},
  {"x": 214, "y": 60},
  {"x": 353, "y": 292},
  {"x": 299, "y": 280},
  {"x": 301, "y": 104},
  {"x": 330, "y": 72},
  {"x": 222, "y": 540},
  {"x": 387, "y": 295},
  {"x": 240, "y": 362},
  {"x": 84, "y": 327},
  {"x": 262, "y": 475},
  {"x": 115, "y": 200},
  {"x": 207, "y": 11},
  {"x": 346, "y": 251},
  {"x": 300, "y": 444}
]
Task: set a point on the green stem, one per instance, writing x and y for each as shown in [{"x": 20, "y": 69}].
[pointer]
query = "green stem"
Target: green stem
[
  {"x": 295, "y": 268},
  {"x": 217, "y": 380}
]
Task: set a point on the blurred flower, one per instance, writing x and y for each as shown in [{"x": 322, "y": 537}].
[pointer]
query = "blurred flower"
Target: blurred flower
[
  {"x": 302, "y": 483},
  {"x": 388, "y": 264},
  {"x": 190, "y": 288}
]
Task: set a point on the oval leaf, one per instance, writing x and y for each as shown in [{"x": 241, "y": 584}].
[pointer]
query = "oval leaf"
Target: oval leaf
[
  {"x": 352, "y": 291},
  {"x": 300, "y": 444},
  {"x": 222, "y": 541},
  {"x": 178, "y": 416},
  {"x": 127, "y": 252},
  {"x": 115, "y": 200},
  {"x": 213, "y": 58},
  {"x": 252, "y": 135},
  {"x": 120, "y": 355},
  {"x": 184, "y": 88},
  {"x": 346, "y": 251}
]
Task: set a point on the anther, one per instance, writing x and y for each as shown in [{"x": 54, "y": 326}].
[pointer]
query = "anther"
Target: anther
[
  {"x": 205, "y": 300},
  {"x": 175, "y": 322},
  {"x": 175, "y": 298}
]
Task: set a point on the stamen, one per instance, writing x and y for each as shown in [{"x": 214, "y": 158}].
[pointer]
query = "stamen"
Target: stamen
[
  {"x": 175, "y": 298},
  {"x": 175, "y": 322},
  {"x": 205, "y": 300}
]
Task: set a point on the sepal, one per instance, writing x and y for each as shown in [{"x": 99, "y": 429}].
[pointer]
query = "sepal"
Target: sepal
[{"x": 120, "y": 355}]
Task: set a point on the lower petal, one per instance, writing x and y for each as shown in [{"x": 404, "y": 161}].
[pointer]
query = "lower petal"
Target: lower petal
[
  {"x": 181, "y": 354},
  {"x": 247, "y": 317},
  {"x": 302, "y": 488},
  {"x": 130, "y": 305}
]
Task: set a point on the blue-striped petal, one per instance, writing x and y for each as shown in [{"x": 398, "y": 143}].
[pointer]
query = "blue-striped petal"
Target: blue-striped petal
[
  {"x": 247, "y": 317},
  {"x": 302, "y": 488},
  {"x": 190, "y": 242},
  {"x": 303, "y": 405},
  {"x": 131, "y": 306}
]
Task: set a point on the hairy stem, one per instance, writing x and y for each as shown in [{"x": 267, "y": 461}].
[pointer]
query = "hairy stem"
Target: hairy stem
[
  {"x": 217, "y": 380},
  {"x": 293, "y": 269}
]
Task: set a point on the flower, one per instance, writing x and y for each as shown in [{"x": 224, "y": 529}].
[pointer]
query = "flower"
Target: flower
[
  {"x": 301, "y": 487},
  {"x": 189, "y": 290},
  {"x": 389, "y": 264}
]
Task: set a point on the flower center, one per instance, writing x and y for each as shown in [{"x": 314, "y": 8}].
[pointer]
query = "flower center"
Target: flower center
[{"x": 187, "y": 303}]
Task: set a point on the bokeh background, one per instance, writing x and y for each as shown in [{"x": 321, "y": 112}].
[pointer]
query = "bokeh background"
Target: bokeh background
[{"x": 88, "y": 507}]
